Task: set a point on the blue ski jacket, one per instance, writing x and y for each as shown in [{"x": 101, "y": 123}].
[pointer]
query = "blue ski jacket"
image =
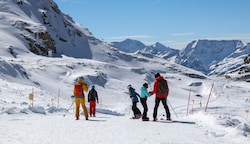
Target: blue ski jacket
[
  {"x": 133, "y": 95},
  {"x": 144, "y": 92}
]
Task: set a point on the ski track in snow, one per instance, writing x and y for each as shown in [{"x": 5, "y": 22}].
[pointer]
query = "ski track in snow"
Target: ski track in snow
[
  {"x": 51, "y": 80},
  {"x": 225, "y": 122},
  {"x": 105, "y": 129}
]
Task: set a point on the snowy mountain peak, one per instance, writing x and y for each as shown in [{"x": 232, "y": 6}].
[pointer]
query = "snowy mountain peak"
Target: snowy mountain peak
[
  {"x": 49, "y": 116},
  {"x": 39, "y": 27},
  {"x": 129, "y": 45},
  {"x": 204, "y": 55},
  {"x": 157, "y": 49}
]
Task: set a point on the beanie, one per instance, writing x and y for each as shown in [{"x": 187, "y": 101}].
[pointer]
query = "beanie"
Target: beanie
[
  {"x": 145, "y": 85},
  {"x": 157, "y": 75}
]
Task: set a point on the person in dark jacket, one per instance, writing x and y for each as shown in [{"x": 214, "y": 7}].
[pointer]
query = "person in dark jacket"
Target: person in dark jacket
[
  {"x": 134, "y": 97},
  {"x": 144, "y": 95},
  {"x": 92, "y": 99},
  {"x": 161, "y": 91}
]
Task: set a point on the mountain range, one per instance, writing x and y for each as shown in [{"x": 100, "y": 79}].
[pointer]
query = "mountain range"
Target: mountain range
[
  {"x": 43, "y": 52},
  {"x": 41, "y": 28},
  {"x": 208, "y": 56}
]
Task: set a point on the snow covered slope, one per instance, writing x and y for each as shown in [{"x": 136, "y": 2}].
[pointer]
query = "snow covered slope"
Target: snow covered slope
[
  {"x": 51, "y": 79},
  {"x": 212, "y": 56},
  {"x": 39, "y": 26}
]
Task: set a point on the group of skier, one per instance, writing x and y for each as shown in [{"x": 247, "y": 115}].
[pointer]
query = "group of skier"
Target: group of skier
[
  {"x": 161, "y": 91},
  {"x": 79, "y": 88}
]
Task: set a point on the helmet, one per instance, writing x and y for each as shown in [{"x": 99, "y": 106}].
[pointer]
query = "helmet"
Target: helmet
[
  {"x": 129, "y": 86},
  {"x": 93, "y": 86},
  {"x": 157, "y": 75},
  {"x": 145, "y": 85}
]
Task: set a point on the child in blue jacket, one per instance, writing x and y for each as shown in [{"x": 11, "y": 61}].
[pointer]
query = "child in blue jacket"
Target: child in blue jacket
[
  {"x": 144, "y": 95},
  {"x": 133, "y": 95}
]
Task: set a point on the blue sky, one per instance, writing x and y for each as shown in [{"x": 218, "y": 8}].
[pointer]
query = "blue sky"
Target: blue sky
[{"x": 174, "y": 23}]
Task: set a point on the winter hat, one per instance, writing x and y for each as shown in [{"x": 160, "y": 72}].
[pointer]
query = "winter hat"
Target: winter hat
[
  {"x": 157, "y": 75},
  {"x": 129, "y": 86},
  {"x": 145, "y": 85},
  {"x": 80, "y": 80},
  {"x": 93, "y": 86}
]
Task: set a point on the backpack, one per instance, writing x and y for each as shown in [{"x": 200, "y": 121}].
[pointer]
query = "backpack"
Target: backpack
[
  {"x": 92, "y": 95},
  {"x": 78, "y": 89},
  {"x": 163, "y": 87}
]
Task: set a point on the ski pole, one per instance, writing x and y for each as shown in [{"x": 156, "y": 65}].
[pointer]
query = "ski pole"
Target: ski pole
[
  {"x": 68, "y": 109},
  {"x": 172, "y": 109}
]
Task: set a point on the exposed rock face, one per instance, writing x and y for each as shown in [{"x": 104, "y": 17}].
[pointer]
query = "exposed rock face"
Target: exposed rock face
[
  {"x": 247, "y": 59},
  {"x": 40, "y": 27}
]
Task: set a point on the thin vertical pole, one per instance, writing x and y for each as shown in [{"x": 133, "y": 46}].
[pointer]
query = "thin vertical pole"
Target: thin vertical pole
[
  {"x": 188, "y": 101},
  {"x": 58, "y": 98},
  {"x": 172, "y": 108},
  {"x": 33, "y": 96},
  {"x": 209, "y": 97}
]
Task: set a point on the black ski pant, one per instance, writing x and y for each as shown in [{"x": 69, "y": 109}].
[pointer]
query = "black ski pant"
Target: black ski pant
[
  {"x": 164, "y": 102},
  {"x": 135, "y": 109},
  {"x": 145, "y": 107}
]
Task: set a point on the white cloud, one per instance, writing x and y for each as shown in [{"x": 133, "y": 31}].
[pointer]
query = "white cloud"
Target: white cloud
[
  {"x": 183, "y": 34},
  {"x": 243, "y": 37},
  {"x": 157, "y": 1},
  {"x": 74, "y": 1}
]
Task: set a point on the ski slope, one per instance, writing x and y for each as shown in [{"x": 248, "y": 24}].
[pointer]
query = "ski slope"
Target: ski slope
[{"x": 51, "y": 81}]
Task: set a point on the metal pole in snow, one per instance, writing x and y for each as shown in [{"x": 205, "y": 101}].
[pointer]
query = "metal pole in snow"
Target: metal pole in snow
[
  {"x": 188, "y": 101},
  {"x": 32, "y": 97},
  {"x": 58, "y": 98},
  {"x": 209, "y": 97},
  {"x": 172, "y": 109}
]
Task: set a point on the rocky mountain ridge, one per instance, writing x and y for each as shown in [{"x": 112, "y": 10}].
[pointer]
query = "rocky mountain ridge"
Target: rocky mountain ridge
[{"x": 41, "y": 28}]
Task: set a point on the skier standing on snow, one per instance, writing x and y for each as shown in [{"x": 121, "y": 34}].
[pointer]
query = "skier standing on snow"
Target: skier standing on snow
[
  {"x": 134, "y": 97},
  {"x": 144, "y": 95},
  {"x": 92, "y": 99},
  {"x": 78, "y": 91},
  {"x": 161, "y": 91}
]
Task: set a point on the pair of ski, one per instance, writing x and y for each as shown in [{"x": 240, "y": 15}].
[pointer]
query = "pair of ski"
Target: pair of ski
[
  {"x": 157, "y": 120},
  {"x": 162, "y": 120}
]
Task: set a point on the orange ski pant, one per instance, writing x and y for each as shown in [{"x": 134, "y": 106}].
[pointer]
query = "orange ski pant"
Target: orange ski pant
[
  {"x": 92, "y": 107},
  {"x": 81, "y": 101}
]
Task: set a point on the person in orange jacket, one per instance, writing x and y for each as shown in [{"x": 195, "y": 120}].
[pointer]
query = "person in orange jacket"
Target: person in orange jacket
[
  {"x": 79, "y": 89},
  {"x": 161, "y": 91}
]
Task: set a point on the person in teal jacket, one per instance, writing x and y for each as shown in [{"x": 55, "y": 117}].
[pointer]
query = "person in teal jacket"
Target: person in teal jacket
[{"x": 143, "y": 98}]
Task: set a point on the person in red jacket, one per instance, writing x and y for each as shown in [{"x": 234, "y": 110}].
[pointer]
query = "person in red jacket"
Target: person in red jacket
[
  {"x": 161, "y": 91},
  {"x": 92, "y": 99}
]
